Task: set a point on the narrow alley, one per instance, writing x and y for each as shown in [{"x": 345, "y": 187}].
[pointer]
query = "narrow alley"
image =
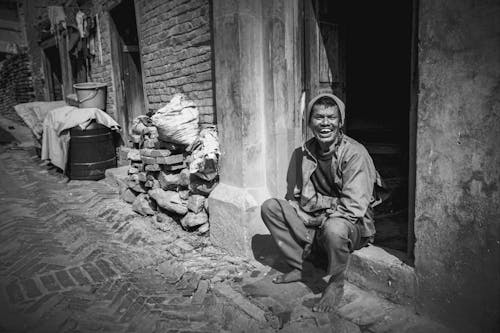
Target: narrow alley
[
  {"x": 249, "y": 166},
  {"x": 75, "y": 258}
]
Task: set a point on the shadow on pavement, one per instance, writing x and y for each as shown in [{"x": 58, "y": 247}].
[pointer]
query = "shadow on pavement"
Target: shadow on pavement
[
  {"x": 5, "y": 137},
  {"x": 267, "y": 253}
]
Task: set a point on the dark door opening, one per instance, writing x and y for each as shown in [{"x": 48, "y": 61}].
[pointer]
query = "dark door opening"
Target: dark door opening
[
  {"x": 126, "y": 64},
  {"x": 52, "y": 64},
  {"x": 363, "y": 54}
]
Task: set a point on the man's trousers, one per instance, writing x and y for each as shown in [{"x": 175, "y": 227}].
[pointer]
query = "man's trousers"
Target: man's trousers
[{"x": 337, "y": 239}]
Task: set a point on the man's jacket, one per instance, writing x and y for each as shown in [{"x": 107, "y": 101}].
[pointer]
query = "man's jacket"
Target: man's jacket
[{"x": 355, "y": 181}]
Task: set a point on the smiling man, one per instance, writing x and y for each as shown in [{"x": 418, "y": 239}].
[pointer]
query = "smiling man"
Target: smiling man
[{"x": 329, "y": 200}]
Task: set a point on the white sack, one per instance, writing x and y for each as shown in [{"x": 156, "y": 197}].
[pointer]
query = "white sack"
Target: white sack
[{"x": 177, "y": 121}]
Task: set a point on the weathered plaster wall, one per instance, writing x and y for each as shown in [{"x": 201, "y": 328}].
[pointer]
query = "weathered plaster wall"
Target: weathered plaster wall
[{"x": 457, "y": 221}]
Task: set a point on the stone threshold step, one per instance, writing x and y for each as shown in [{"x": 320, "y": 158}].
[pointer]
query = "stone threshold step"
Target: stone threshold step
[{"x": 373, "y": 268}]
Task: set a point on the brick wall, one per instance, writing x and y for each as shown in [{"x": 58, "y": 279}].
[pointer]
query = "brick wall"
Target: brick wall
[
  {"x": 102, "y": 69},
  {"x": 176, "y": 52},
  {"x": 175, "y": 43},
  {"x": 15, "y": 84},
  {"x": 33, "y": 13}
]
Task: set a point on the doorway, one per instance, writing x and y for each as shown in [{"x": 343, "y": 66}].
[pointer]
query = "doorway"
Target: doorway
[
  {"x": 53, "y": 73},
  {"x": 363, "y": 53},
  {"x": 126, "y": 65}
]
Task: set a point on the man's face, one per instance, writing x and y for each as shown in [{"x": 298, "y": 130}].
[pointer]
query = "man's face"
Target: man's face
[{"x": 325, "y": 123}]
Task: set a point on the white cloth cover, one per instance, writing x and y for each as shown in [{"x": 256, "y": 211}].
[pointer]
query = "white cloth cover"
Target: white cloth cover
[{"x": 55, "y": 140}]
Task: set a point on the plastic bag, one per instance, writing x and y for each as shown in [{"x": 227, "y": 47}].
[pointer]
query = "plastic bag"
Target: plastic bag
[
  {"x": 177, "y": 121},
  {"x": 205, "y": 156}
]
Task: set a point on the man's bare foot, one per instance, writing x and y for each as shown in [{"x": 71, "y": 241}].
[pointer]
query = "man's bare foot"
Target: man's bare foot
[
  {"x": 332, "y": 295},
  {"x": 293, "y": 276}
]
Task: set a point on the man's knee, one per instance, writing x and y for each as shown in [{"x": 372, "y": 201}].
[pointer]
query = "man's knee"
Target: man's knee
[
  {"x": 336, "y": 233},
  {"x": 269, "y": 207}
]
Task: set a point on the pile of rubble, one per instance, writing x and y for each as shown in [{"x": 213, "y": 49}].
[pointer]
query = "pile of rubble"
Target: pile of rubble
[{"x": 171, "y": 180}]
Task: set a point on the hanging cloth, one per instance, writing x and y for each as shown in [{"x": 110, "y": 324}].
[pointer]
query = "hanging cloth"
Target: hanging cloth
[
  {"x": 56, "y": 16},
  {"x": 80, "y": 23}
]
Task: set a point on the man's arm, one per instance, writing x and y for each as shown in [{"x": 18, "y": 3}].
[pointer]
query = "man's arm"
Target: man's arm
[{"x": 357, "y": 189}]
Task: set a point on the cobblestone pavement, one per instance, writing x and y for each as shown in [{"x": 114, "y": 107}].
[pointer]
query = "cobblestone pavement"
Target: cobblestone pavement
[{"x": 74, "y": 258}]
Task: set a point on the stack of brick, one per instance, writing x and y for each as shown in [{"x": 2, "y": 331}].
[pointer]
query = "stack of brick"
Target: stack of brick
[{"x": 160, "y": 183}]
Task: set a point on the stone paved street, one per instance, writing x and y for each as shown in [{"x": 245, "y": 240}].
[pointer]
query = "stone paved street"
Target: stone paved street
[{"x": 74, "y": 258}]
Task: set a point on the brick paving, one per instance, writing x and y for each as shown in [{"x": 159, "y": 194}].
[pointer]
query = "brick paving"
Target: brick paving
[{"x": 75, "y": 258}]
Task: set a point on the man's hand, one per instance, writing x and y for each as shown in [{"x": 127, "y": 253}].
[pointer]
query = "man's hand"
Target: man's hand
[{"x": 315, "y": 221}]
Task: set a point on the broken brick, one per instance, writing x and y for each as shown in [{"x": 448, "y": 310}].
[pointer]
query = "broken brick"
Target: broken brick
[
  {"x": 196, "y": 203},
  {"x": 155, "y": 152},
  {"x": 152, "y": 167},
  {"x": 170, "y": 160},
  {"x": 168, "y": 180},
  {"x": 148, "y": 160},
  {"x": 134, "y": 155},
  {"x": 194, "y": 219}
]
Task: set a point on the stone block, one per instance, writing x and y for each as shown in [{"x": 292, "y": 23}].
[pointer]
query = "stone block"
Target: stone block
[
  {"x": 185, "y": 177},
  {"x": 373, "y": 268},
  {"x": 170, "y": 160},
  {"x": 128, "y": 196},
  {"x": 132, "y": 170},
  {"x": 169, "y": 181},
  {"x": 191, "y": 219},
  {"x": 117, "y": 177},
  {"x": 150, "y": 143},
  {"x": 169, "y": 200},
  {"x": 148, "y": 160},
  {"x": 152, "y": 167},
  {"x": 142, "y": 205},
  {"x": 202, "y": 229},
  {"x": 235, "y": 217},
  {"x": 196, "y": 203},
  {"x": 134, "y": 155},
  {"x": 184, "y": 194},
  {"x": 134, "y": 184},
  {"x": 155, "y": 152},
  {"x": 142, "y": 177}
]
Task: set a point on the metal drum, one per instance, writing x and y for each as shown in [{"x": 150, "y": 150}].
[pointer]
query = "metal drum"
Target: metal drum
[{"x": 91, "y": 152}]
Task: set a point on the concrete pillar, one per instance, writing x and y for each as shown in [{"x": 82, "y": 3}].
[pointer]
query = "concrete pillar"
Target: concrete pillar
[
  {"x": 255, "y": 73},
  {"x": 238, "y": 52}
]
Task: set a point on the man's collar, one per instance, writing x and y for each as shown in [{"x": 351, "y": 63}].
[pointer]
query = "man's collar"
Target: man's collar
[{"x": 308, "y": 145}]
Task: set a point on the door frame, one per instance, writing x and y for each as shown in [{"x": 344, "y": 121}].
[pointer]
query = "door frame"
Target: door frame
[
  {"x": 413, "y": 118},
  {"x": 116, "y": 61},
  {"x": 311, "y": 64},
  {"x": 116, "y": 45}
]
